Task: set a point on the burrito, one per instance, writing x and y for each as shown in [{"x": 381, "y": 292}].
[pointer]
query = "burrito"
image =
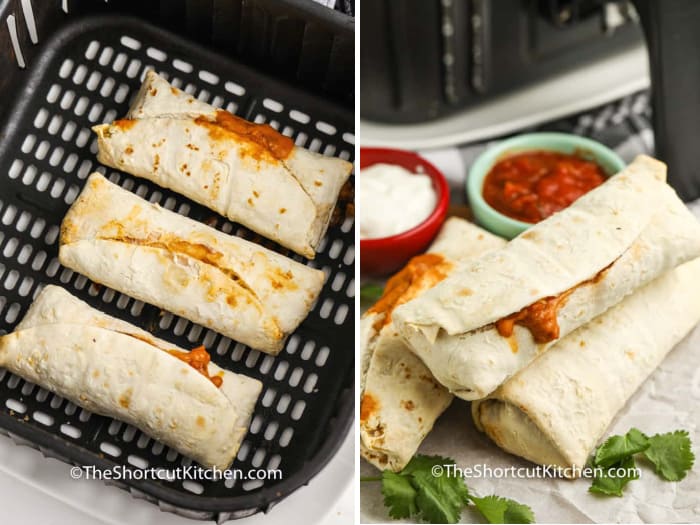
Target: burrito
[
  {"x": 482, "y": 324},
  {"x": 555, "y": 411},
  {"x": 247, "y": 172},
  {"x": 115, "y": 369},
  {"x": 239, "y": 289},
  {"x": 400, "y": 398}
]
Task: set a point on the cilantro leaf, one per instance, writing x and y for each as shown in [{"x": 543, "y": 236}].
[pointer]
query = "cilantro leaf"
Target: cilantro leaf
[
  {"x": 617, "y": 448},
  {"x": 399, "y": 495},
  {"x": 614, "y": 478},
  {"x": 418, "y": 490},
  {"x": 371, "y": 292},
  {"x": 671, "y": 454},
  {"x": 438, "y": 495},
  {"x": 440, "y": 498},
  {"x": 502, "y": 510}
]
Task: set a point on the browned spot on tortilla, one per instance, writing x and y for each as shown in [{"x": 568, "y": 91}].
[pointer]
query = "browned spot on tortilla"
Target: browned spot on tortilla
[
  {"x": 531, "y": 235},
  {"x": 368, "y": 406},
  {"x": 129, "y": 150},
  {"x": 480, "y": 236},
  {"x": 513, "y": 343},
  {"x": 630, "y": 354},
  {"x": 192, "y": 147},
  {"x": 125, "y": 398},
  {"x": 250, "y": 201},
  {"x": 430, "y": 379},
  {"x": 421, "y": 272},
  {"x": 153, "y": 91},
  {"x": 262, "y": 142},
  {"x": 156, "y": 162},
  {"x": 582, "y": 343},
  {"x": 281, "y": 279},
  {"x": 124, "y": 124},
  {"x": 174, "y": 91},
  {"x": 540, "y": 317},
  {"x": 68, "y": 231},
  {"x": 408, "y": 405},
  {"x": 379, "y": 457},
  {"x": 95, "y": 373},
  {"x": 256, "y": 194},
  {"x": 200, "y": 421},
  {"x": 318, "y": 183},
  {"x": 465, "y": 292}
]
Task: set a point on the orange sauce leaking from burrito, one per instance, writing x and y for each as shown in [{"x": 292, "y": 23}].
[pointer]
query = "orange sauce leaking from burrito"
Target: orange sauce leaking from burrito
[
  {"x": 124, "y": 123},
  {"x": 265, "y": 142},
  {"x": 420, "y": 273},
  {"x": 541, "y": 316},
  {"x": 198, "y": 359}
]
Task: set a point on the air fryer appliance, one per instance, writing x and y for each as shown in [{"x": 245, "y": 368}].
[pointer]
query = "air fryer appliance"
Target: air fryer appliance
[
  {"x": 69, "y": 64},
  {"x": 439, "y": 72}
]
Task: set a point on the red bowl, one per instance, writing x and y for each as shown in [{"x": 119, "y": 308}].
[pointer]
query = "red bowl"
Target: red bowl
[{"x": 387, "y": 254}]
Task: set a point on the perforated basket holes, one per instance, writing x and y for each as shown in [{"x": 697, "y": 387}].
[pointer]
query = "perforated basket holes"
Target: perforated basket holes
[{"x": 89, "y": 81}]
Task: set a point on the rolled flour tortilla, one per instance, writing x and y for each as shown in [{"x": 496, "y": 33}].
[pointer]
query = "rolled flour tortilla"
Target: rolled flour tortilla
[
  {"x": 247, "y": 172},
  {"x": 555, "y": 411},
  {"x": 400, "y": 398},
  {"x": 115, "y": 369},
  {"x": 241, "y": 290},
  {"x": 497, "y": 314}
]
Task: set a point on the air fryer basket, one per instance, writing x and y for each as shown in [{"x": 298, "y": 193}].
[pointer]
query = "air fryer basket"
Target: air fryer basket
[{"x": 82, "y": 72}]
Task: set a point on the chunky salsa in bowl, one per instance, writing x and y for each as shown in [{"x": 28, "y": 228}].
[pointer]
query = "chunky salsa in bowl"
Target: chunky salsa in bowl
[{"x": 526, "y": 179}]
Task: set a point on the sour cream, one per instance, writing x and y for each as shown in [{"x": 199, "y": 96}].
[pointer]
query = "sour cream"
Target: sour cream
[{"x": 393, "y": 200}]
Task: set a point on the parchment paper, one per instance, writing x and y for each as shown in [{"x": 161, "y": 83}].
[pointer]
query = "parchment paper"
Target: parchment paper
[{"x": 669, "y": 400}]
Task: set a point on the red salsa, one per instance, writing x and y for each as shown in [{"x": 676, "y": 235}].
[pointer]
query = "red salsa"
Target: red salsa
[{"x": 532, "y": 186}]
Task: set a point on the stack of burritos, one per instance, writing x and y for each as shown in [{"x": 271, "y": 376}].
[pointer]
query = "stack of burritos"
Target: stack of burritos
[{"x": 551, "y": 334}]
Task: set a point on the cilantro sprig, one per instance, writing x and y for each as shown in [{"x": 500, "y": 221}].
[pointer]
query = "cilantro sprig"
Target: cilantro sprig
[
  {"x": 615, "y": 463},
  {"x": 371, "y": 292},
  {"x": 428, "y": 489}
]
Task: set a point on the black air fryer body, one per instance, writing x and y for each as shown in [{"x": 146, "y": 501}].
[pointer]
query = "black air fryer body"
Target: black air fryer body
[{"x": 426, "y": 59}]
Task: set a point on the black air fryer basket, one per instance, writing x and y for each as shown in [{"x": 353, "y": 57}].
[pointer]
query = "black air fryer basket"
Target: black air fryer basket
[{"x": 67, "y": 65}]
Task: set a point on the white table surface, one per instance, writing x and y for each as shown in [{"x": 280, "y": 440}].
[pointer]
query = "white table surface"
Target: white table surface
[{"x": 35, "y": 489}]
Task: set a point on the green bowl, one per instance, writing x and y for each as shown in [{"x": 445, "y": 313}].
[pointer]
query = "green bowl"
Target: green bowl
[{"x": 503, "y": 225}]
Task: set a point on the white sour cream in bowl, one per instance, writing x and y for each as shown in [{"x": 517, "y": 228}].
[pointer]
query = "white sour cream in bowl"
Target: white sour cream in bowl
[{"x": 394, "y": 200}]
